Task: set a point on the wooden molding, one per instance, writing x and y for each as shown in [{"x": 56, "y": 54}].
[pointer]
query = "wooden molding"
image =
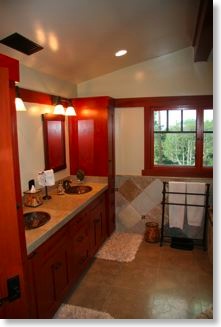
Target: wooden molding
[
  {"x": 175, "y": 100},
  {"x": 12, "y": 65}
]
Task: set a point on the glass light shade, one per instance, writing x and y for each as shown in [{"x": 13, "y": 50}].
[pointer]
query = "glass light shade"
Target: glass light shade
[
  {"x": 70, "y": 111},
  {"x": 59, "y": 110},
  {"x": 19, "y": 104}
]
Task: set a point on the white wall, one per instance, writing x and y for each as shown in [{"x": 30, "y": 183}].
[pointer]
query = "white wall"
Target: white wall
[
  {"x": 29, "y": 124},
  {"x": 129, "y": 141},
  {"x": 170, "y": 75}
]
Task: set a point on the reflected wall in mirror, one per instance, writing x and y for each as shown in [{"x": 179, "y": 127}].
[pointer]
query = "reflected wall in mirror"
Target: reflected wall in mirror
[{"x": 54, "y": 141}]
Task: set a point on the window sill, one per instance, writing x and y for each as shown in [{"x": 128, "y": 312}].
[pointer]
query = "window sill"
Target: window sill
[{"x": 174, "y": 171}]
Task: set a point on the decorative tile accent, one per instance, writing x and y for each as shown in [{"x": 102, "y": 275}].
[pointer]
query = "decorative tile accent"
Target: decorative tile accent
[
  {"x": 129, "y": 190},
  {"x": 142, "y": 181},
  {"x": 154, "y": 191},
  {"x": 155, "y": 215},
  {"x": 120, "y": 201},
  {"x": 129, "y": 216},
  {"x": 143, "y": 204},
  {"x": 141, "y": 196}
]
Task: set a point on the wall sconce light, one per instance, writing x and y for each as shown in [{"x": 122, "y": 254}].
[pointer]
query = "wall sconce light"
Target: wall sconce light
[
  {"x": 19, "y": 104},
  {"x": 70, "y": 111},
  {"x": 58, "y": 109}
]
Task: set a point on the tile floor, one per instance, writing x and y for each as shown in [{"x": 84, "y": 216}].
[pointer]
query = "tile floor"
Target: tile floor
[{"x": 160, "y": 283}]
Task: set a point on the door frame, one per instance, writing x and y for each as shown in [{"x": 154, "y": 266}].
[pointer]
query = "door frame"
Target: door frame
[{"x": 12, "y": 241}]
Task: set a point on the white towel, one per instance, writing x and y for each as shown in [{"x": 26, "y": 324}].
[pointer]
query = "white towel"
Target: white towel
[
  {"x": 176, "y": 212},
  {"x": 41, "y": 178},
  {"x": 46, "y": 178},
  {"x": 49, "y": 177},
  {"x": 195, "y": 214}
]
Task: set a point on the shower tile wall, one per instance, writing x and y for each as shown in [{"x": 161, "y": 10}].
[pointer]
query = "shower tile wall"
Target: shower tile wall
[{"x": 138, "y": 200}]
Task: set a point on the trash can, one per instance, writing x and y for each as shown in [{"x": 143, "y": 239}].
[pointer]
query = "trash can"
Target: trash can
[{"x": 152, "y": 233}]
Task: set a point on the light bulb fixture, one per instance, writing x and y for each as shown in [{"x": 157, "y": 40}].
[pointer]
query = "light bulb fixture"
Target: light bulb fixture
[
  {"x": 70, "y": 111},
  {"x": 120, "y": 53},
  {"x": 19, "y": 104},
  {"x": 58, "y": 109}
]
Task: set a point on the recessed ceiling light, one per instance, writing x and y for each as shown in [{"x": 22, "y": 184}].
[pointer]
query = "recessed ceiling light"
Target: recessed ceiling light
[{"x": 120, "y": 53}]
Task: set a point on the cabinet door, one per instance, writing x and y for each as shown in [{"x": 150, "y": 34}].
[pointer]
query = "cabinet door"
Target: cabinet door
[
  {"x": 98, "y": 228},
  {"x": 78, "y": 249},
  {"x": 88, "y": 136},
  {"x": 50, "y": 276}
]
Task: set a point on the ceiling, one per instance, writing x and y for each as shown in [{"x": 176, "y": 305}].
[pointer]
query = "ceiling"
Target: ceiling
[{"x": 80, "y": 37}]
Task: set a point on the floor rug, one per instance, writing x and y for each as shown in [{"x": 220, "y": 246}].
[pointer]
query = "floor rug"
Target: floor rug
[
  {"x": 68, "y": 311},
  {"x": 207, "y": 314},
  {"x": 120, "y": 247}
]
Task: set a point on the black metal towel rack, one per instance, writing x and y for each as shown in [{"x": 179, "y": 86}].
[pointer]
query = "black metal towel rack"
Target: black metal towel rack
[{"x": 206, "y": 206}]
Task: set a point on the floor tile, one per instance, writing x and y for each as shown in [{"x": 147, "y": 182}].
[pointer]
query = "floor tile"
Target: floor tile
[{"x": 160, "y": 283}]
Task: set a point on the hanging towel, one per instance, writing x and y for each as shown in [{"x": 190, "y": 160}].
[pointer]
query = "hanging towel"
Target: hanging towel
[
  {"x": 195, "y": 214},
  {"x": 41, "y": 178},
  {"x": 49, "y": 177},
  {"x": 176, "y": 212}
]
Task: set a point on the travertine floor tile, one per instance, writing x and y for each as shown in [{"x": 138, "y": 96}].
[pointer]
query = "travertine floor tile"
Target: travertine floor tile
[{"x": 160, "y": 283}]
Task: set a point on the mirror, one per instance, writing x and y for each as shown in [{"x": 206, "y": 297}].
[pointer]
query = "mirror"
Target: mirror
[{"x": 54, "y": 141}]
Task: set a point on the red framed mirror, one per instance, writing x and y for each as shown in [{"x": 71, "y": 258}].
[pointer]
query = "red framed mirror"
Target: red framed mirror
[{"x": 54, "y": 141}]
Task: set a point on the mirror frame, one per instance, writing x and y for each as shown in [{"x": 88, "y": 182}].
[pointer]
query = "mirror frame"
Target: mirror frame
[{"x": 54, "y": 141}]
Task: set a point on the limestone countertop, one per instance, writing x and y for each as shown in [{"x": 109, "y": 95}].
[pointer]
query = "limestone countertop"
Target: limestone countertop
[{"x": 62, "y": 208}]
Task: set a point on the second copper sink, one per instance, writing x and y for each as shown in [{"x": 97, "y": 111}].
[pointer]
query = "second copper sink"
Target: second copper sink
[{"x": 78, "y": 189}]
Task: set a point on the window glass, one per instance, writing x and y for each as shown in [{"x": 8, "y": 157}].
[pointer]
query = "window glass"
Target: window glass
[
  {"x": 208, "y": 120},
  {"x": 174, "y": 120},
  {"x": 189, "y": 120},
  {"x": 177, "y": 149},
  {"x": 160, "y": 120},
  {"x": 208, "y": 150}
]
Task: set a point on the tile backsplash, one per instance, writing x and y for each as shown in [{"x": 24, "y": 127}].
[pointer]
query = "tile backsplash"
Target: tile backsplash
[{"x": 138, "y": 200}]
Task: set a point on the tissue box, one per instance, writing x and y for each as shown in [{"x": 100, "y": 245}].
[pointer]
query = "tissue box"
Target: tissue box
[{"x": 33, "y": 199}]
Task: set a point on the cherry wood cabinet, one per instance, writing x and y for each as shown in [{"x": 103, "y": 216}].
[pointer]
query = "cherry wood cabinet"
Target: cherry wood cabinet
[
  {"x": 98, "y": 225},
  {"x": 91, "y": 144},
  {"x": 58, "y": 263},
  {"x": 50, "y": 274},
  {"x": 78, "y": 244}
]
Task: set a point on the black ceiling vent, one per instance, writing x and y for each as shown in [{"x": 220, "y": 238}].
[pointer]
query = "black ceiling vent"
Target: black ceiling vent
[{"x": 18, "y": 42}]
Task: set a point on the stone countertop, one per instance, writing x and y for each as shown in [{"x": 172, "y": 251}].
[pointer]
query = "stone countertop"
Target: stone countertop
[{"x": 62, "y": 208}]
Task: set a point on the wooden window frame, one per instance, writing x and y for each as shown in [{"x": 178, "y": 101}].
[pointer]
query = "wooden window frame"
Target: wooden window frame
[{"x": 199, "y": 103}]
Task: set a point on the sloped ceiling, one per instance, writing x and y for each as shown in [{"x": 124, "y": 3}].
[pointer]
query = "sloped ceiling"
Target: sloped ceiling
[{"x": 80, "y": 37}]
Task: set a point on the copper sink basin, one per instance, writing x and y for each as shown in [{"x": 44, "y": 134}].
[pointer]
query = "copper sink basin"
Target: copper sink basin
[
  {"x": 78, "y": 189},
  {"x": 35, "y": 219}
]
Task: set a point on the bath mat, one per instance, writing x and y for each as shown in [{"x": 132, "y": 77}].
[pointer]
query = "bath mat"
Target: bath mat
[
  {"x": 207, "y": 314},
  {"x": 68, "y": 311},
  {"x": 120, "y": 247}
]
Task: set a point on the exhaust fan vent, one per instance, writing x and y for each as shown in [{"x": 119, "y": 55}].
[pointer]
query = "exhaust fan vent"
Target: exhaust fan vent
[{"x": 20, "y": 43}]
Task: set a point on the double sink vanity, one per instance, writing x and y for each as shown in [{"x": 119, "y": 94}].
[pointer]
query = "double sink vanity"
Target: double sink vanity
[{"x": 76, "y": 225}]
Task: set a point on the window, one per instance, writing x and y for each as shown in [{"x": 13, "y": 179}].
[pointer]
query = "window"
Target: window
[{"x": 179, "y": 137}]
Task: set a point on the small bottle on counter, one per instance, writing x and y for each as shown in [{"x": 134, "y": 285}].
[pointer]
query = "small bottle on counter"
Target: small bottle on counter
[{"x": 60, "y": 189}]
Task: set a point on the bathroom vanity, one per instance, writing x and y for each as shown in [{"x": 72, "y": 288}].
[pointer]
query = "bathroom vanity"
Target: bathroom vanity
[{"x": 60, "y": 250}]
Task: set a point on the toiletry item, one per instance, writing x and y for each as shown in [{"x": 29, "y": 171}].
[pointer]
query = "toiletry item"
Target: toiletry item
[
  {"x": 31, "y": 183},
  {"x": 60, "y": 189},
  {"x": 33, "y": 199}
]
